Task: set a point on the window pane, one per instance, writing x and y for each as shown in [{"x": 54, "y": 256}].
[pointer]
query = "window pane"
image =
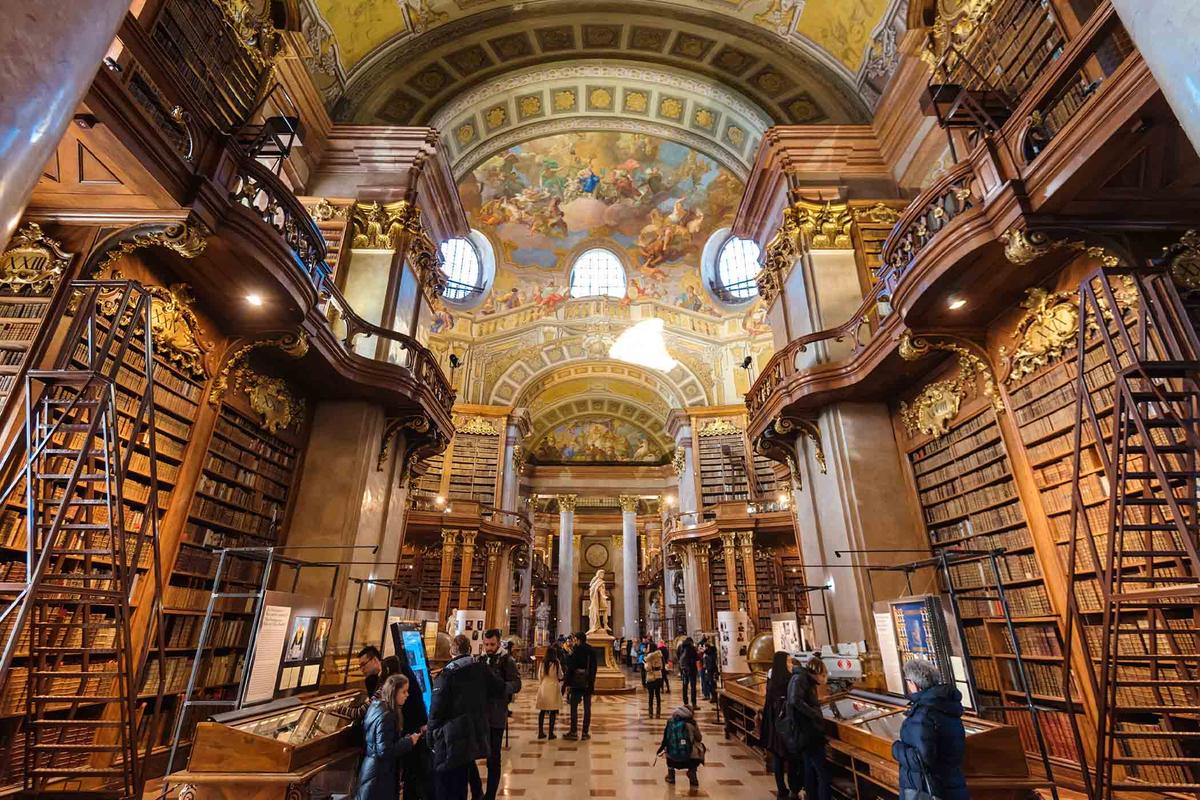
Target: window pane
[
  {"x": 737, "y": 267},
  {"x": 460, "y": 263},
  {"x": 598, "y": 272}
]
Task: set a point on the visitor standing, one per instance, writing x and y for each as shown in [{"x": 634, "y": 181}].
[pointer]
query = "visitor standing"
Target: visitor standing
[
  {"x": 932, "y": 738},
  {"x": 375, "y": 670},
  {"x": 786, "y": 767},
  {"x": 383, "y": 744},
  {"x": 549, "y": 693},
  {"x": 687, "y": 658},
  {"x": 581, "y": 681},
  {"x": 708, "y": 662},
  {"x": 458, "y": 724},
  {"x": 808, "y": 724},
  {"x": 500, "y": 662},
  {"x": 654, "y": 670},
  {"x": 683, "y": 745}
]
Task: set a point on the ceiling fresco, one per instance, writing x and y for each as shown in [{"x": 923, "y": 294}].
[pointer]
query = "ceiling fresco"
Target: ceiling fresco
[
  {"x": 597, "y": 440},
  {"x": 652, "y": 201},
  {"x": 400, "y": 61}
]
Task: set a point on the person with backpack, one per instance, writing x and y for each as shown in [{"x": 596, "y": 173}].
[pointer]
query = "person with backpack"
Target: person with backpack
[
  {"x": 683, "y": 745},
  {"x": 581, "y": 681},
  {"x": 687, "y": 658},
  {"x": 804, "y": 724},
  {"x": 653, "y": 672},
  {"x": 787, "y": 769}
]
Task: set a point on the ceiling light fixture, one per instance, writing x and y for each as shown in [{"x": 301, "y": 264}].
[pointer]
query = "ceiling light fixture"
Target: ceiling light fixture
[
  {"x": 643, "y": 344},
  {"x": 254, "y": 300},
  {"x": 955, "y": 302}
]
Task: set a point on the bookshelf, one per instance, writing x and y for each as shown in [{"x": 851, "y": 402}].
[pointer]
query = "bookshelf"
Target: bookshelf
[
  {"x": 969, "y": 499},
  {"x": 474, "y": 467},
  {"x": 721, "y": 467}
]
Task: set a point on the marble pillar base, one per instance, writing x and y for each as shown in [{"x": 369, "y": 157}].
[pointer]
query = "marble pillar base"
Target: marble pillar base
[{"x": 610, "y": 679}]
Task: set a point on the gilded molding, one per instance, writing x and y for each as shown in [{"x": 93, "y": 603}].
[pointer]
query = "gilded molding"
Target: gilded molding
[
  {"x": 719, "y": 427},
  {"x": 1022, "y": 247},
  {"x": 294, "y": 345},
  {"x": 33, "y": 262},
  {"x": 794, "y": 473},
  {"x": 271, "y": 398},
  {"x": 938, "y": 403},
  {"x": 325, "y": 211},
  {"x": 878, "y": 213},
  {"x": 477, "y": 425},
  {"x": 186, "y": 240},
  {"x": 566, "y": 502},
  {"x": 175, "y": 328},
  {"x": 679, "y": 461},
  {"x": 1048, "y": 329},
  {"x": 789, "y": 425},
  {"x": 629, "y": 503},
  {"x": 1183, "y": 261},
  {"x": 389, "y": 226},
  {"x": 819, "y": 226},
  {"x": 520, "y": 459}
]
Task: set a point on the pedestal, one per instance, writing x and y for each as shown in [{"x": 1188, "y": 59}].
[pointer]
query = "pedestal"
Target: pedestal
[{"x": 609, "y": 677}]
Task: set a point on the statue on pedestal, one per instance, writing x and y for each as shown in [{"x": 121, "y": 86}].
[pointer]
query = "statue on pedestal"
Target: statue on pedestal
[
  {"x": 655, "y": 615},
  {"x": 542, "y": 615},
  {"x": 599, "y": 609},
  {"x": 452, "y": 622}
]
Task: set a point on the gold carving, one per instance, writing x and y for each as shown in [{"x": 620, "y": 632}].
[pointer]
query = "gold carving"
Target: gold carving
[
  {"x": 878, "y": 213},
  {"x": 294, "y": 345},
  {"x": 600, "y": 99},
  {"x": 33, "y": 262},
  {"x": 679, "y": 461},
  {"x": 477, "y": 425},
  {"x": 566, "y": 502},
  {"x": 416, "y": 422},
  {"x": 704, "y": 118},
  {"x": 254, "y": 33},
  {"x": 933, "y": 409},
  {"x": 954, "y": 26},
  {"x": 735, "y": 135},
  {"x": 465, "y": 133},
  {"x": 788, "y": 425},
  {"x": 794, "y": 473},
  {"x": 1183, "y": 261},
  {"x": 719, "y": 427},
  {"x": 1022, "y": 247},
  {"x": 379, "y": 227},
  {"x": 973, "y": 370},
  {"x": 175, "y": 329},
  {"x": 1047, "y": 330},
  {"x": 670, "y": 108},
  {"x": 520, "y": 459},
  {"x": 637, "y": 102},
  {"x": 496, "y": 116},
  {"x": 563, "y": 99},
  {"x": 629, "y": 503},
  {"x": 530, "y": 105},
  {"x": 186, "y": 240},
  {"x": 821, "y": 226},
  {"x": 324, "y": 211},
  {"x": 271, "y": 398}
]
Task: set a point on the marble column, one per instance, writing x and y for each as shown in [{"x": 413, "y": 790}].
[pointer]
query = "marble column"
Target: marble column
[
  {"x": 629, "y": 555},
  {"x": 48, "y": 60},
  {"x": 1160, "y": 28},
  {"x": 566, "y": 562}
]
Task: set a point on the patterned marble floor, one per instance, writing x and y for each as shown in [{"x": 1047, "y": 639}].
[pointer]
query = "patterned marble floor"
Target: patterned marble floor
[{"x": 618, "y": 761}]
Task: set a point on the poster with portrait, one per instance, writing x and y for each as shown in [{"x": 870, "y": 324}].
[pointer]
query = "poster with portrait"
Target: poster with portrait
[
  {"x": 319, "y": 638},
  {"x": 733, "y": 638},
  {"x": 470, "y": 624},
  {"x": 785, "y": 631},
  {"x": 297, "y": 639}
]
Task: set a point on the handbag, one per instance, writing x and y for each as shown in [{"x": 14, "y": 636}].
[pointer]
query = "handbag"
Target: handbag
[{"x": 926, "y": 790}]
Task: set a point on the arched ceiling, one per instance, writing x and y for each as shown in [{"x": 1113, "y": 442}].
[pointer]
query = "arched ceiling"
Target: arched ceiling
[{"x": 400, "y": 61}]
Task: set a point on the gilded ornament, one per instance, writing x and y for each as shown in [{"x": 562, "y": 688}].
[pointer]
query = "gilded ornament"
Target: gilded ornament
[
  {"x": 495, "y": 117},
  {"x": 628, "y": 503},
  {"x": 955, "y": 24},
  {"x": 637, "y": 102},
  {"x": 785, "y": 426},
  {"x": 972, "y": 369},
  {"x": 415, "y": 422},
  {"x": 520, "y": 459},
  {"x": 704, "y": 118},
  {"x": 175, "y": 329},
  {"x": 678, "y": 461},
  {"x": 878, "y": 213},
  {"x": 735, "y": 135},
  {"x": 794, "y": 473},
  {"x": 33, "y": 263},
  {"x": 1022, "y": 247},
  {"x": 600, "y": 99},
  {"x": 477, "y": 425},
  {"x": 465, "y": 134},
  {"x": 254, "y": 33},
  {"x": 324, "y": 211},
  {"x": 271, "y": 398},
  {"x": 294, "y": 345},
  {"x": 671, "y": 108},
  {"x": 1048, "y": 329},
  {"x": 719, "y": 427},
  {"x": 933, "y": 409},
  {"x": 1183, "y": 261},
  {"x": 184, "y": 239},
  {"x": 563, "y": 99},
  {"x": 530, "y": 105},
  {"x": 566, "y": 502}
]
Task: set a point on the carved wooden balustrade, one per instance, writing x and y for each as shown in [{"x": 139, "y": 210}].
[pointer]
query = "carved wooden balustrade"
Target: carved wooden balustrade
[
  {"x": 257, "y": 188},
  {"x": 392, "y": 347},
  {"x": 925, "y": 218}
]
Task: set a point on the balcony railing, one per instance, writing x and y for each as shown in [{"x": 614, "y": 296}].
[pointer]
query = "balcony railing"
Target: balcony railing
[
  {"x": 924, "y": 220},
  {"x": 385, "y": 345}
]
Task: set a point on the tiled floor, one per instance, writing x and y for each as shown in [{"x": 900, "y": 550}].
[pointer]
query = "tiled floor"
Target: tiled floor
[{"x": 619, "y": 761}]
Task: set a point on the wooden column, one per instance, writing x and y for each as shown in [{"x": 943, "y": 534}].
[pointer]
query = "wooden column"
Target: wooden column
[
  {"x": 464, "y": 574},
  {"x": 449, "y": 539},
  {"x": 493, "y": 600},
  {"x": 746, "y": 545},
  {"x": 730, "y": 553}
]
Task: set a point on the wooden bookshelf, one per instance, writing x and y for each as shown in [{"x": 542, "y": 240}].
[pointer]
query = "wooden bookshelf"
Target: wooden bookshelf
[
  {"x": 474, "y": 467},
  {"x": 721, "y": 468},
  {"x": 969, "y": 500},
  {"x": 20, "y": 320}
]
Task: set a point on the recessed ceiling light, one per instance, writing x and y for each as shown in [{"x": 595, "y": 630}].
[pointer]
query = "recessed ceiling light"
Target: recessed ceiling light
[
  {"x": 254, "y": 299},
  {"x": 955, "y": 303}
]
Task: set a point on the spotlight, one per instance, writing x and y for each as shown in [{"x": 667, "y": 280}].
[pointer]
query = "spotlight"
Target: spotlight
[
  {"x": 746, "y": 362},
  {"x": 254, "y": 300},
  {"x": 454, "y": 361},
  {"x": 955, "y": 303}
]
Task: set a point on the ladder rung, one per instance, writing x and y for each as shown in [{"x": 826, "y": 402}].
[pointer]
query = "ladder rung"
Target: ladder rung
[
  {"x": 67, "y": 427},
  {"x": 78, "y": 650},
  {"x": 1157, "y": 682},
  {"x": 72, "y": 624},
  {"x": 79, "y": 748},
  {"x": 75, "y": 526},
  {"x": 1159, "y": 734},
  {"x": 1161, "y": 367},
  {"x": 86, "y": 723},
  {"x": 1142, "y": 595},
  {"x": 63, "y": 476},
  {"x": 93, "y": 552},
  {"x": 77, "y": 772},
  {"x": 1170, "y": 473}
]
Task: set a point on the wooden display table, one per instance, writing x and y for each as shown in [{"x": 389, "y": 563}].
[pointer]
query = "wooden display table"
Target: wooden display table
[{"x": 283, "y": 749}]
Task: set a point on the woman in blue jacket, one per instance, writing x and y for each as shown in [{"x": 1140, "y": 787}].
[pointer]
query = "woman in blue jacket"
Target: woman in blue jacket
[
  {"x": 932, "y": 739},
  {"x": 384, "y": 746}
]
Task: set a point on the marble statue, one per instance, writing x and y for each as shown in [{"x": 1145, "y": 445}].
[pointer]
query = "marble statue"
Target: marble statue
[
  {"x": 542, "y": 615},
  {"x": 655, "y": 615},
  {"x": 452, "y": 622},
  {"x": 599, "y": 609}
]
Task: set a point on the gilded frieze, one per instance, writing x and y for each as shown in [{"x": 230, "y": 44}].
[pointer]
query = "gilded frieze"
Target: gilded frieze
[
  {"x": 936, "y": 406},
  {"x": 33, "y": 263},
  {"x": 719, "y": 427},
  {"x": 1048, "y": 329},
  {"x": 271, "y": 398}
]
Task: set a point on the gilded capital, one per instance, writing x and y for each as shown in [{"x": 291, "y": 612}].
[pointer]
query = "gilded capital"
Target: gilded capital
[
  {"x": 629, "y": 503},
  {"x": 468, "y": 539},
  {"x": 492, "y": 548},
  {"x": 379, "y": 226},
  {"x": 566, "y": 502},
  {"x": 449, "y": 539},
  {"x": 727, "y": 538},
  {"x": 745, "y": 539}
]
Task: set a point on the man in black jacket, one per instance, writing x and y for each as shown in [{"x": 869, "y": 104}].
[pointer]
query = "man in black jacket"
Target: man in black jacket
[
  {"x": 581, "y": 679},
  {"x": 501, "y": 664},
  {"x": 458, "y": 725},
  {"x": 375, "y": 670}
]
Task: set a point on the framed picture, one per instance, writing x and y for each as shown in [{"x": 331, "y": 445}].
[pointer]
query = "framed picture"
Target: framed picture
[
  {"x": 320, "y": 638},
  {"x": 297, "y": 639}
]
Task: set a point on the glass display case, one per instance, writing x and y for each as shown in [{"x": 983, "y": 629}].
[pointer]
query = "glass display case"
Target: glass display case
[{"x": 849, "y": 708}]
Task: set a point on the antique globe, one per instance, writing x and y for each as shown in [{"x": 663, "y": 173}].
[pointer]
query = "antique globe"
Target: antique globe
[{"x": 761, "y": 652}]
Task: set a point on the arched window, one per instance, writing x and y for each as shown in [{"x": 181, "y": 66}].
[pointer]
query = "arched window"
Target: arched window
[
  {"x": 460, "y": 263},
  {"x": 737, "y": 267},
  {"x": 597, "y": 272}
]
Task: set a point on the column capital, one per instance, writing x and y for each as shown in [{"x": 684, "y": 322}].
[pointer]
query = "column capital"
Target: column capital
[
  {"x": 492, "y": 548},
  {"x": 745, "y": 539},
  {"x": 468, "y": 538},
  {"x": 566, "y": 502},
  {"x": 727, "y": 539},
  {"x": 629, "y": 503},
  {"x": 449, "y": 538}
]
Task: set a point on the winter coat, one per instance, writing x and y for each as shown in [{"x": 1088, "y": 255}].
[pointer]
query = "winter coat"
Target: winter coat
[
  {"x": 687, "y": 659},
  {"x": 932, "y": 733},
  {"x": 768, "y": 736},
  {"x": 685, "y": 713},
  {"x": 458, "y": 727},
  {"x": 806, "y": 711},
  {"x": 549, "y": 691},
  {"x": 379, "y": 773},
  {"x": 502, "y": 665},
  {"x": 710, "y": 659},
  {"x": 371, "y": 683},
  {"x": 581, "y": 669},
  {"x": 654, "y": 666}
]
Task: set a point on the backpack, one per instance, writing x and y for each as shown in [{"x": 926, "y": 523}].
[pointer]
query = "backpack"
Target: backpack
[{"x": 679, "y": 740}]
